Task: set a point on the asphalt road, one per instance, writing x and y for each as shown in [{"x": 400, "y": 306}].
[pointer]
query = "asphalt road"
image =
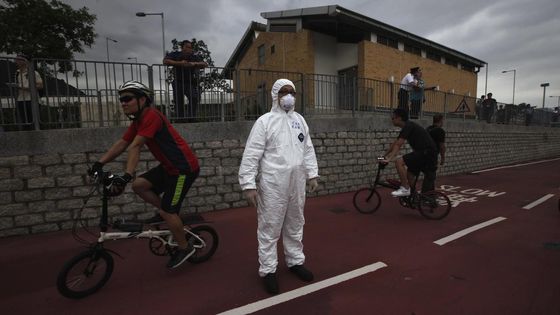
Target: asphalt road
[{"x": 498, "y": 252}]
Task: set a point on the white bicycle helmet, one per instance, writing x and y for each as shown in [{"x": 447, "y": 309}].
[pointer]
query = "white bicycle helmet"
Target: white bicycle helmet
[{"x": 136, "y": 87}]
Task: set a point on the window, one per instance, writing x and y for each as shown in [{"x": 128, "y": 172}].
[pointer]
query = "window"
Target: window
[
  {"x": 288, "y": 27},
  {"x": 272, "y": 49},
  {"x": 468, "y": 68},
  {"x": 451, "y": 62},
  {"x": 412, "y": 50},
  {"x": 387, "y": 41},
  {"x": 433, "y": 56},
  {"x": 261, "y": 54}
]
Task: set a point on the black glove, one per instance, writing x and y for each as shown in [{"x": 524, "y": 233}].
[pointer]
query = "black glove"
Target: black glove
[
  {"x": 119, "y": 183},
  {"x": 122, "y": 180},
  {"x": 96, "y": 169}
]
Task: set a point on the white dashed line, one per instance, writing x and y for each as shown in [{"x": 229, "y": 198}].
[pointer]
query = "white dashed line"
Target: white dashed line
[
  {"x": 538, "y": 201},
  {"x": 281, "y": 298},
  {"x": 464, "y": 232}
]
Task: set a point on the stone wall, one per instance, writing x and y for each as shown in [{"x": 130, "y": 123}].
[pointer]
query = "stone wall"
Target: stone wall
[{"x": 43, "y": 182}]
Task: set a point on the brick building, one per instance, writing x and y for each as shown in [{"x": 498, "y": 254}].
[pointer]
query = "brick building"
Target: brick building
[{"x": 338, "y": 45}]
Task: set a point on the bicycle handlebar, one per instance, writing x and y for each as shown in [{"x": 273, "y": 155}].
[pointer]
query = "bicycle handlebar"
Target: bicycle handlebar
[
  {"x": 102, "y": 178},
  {"x": 382, "y": 161}
]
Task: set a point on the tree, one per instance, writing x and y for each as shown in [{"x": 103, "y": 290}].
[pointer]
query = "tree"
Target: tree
[
  {"x": 209, "y": 80},
  {"x": 45, "y": 29}
]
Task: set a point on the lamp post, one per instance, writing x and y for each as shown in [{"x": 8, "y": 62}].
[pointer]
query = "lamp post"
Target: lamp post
[
  {"x": 108, "y": 82},
  {"x": 557, "y": 96},
  {"x": 512, "y": 70},
  {"x": 143, "y": 14},
  {"x": 544, "y": 85},
  {"x": 107, "y": 39}
]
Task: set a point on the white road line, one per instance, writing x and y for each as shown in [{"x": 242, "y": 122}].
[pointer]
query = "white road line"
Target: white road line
[
  {"x": 464, "y": 232},
  {"x": 538, "y": 201},
  {"x": 281, "y": 298},
  {"x": 516, "y": 165}
]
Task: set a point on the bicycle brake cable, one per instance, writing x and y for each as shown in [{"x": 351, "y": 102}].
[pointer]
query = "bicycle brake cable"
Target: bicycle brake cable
[{"x": 79, "y": 220}]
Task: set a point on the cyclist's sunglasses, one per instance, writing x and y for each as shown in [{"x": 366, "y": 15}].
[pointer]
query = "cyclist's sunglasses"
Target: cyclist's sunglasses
[{"x": 126, "y": 98}]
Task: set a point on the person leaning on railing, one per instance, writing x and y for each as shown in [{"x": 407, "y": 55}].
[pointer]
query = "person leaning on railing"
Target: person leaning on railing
[{"x": 185, "y": 81}]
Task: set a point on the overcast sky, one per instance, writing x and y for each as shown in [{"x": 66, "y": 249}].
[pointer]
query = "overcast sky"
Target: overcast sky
[{"x": 507, "y": 34}]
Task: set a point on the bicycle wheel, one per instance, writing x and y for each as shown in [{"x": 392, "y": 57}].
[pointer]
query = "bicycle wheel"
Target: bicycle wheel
[
  {"x": 85, "y": 274},
  {"x": 367, "y": 200},
  {"x": 203, "y": 250},
  {"x": 434, "y": 205}
]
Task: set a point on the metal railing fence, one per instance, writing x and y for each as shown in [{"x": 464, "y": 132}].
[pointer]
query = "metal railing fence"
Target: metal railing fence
[{"x": 87, "y": 96}]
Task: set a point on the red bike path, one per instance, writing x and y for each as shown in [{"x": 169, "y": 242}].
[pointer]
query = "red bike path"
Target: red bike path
[{"x": 510, "y": 267}]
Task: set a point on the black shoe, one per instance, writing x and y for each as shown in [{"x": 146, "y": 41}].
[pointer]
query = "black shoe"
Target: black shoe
[
  {"x": 156, "y": 219},
  {"x": 302, "y": 273},
  {"x": 270, "y": 283},
  {"x": 179, "y": 257}
]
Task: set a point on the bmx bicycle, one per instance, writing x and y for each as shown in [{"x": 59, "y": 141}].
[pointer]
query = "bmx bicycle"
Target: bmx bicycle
[
  {"x": 433, "y": 205},
  {"x": 89, "y": 271}
]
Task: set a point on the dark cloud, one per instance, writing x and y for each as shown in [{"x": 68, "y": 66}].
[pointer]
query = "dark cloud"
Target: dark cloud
[{"x": 508, "y": 34}]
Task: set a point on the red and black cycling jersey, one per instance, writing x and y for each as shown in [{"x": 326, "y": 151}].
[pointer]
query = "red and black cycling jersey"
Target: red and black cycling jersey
[{"x": 164, "y": 142}]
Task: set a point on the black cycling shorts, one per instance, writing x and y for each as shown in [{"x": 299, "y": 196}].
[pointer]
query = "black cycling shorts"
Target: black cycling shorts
[
  {"x": 418, "y": 161},
  {"x": 173, "y": 187}
]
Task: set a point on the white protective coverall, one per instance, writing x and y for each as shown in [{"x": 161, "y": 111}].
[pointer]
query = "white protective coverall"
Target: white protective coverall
[{"x": 279, "y": 150}]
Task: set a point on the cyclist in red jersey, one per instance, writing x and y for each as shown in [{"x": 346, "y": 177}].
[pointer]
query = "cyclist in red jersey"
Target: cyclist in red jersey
[{"x": 166, "y": 185}]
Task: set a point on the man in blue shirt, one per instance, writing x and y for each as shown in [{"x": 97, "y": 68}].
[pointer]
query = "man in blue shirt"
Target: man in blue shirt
[{"x": 186, "y": 67}]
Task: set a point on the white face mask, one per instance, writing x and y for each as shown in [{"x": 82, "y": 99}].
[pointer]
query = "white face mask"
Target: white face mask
[{"x": 287, "y": 102}]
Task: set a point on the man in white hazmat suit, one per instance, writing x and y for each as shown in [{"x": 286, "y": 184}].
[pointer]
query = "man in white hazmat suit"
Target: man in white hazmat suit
[{"x": 280, "y": 155}]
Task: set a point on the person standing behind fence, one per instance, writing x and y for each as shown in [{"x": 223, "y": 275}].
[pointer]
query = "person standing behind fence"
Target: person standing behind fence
[
  {"x": 24, "y": 109},
  {"x": 480, "y": 107},
  {"x": 488, "y": 107},
  {"x": 501, "y": 115},
  {"x": 407, "y": 83},
  {"x": 528, "y": 114},
  {"x": 555, "y": 114},
  {"x": 185, "y": 81},
  {"x": 417, "y": 96}
]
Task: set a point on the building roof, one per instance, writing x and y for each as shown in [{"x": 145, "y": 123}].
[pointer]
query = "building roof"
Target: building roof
[
  {"x": 244, "y": 43},
  {"x": 347, "y": 26}
]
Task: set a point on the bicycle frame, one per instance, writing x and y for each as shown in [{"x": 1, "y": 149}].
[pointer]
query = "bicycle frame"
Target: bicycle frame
[
  {"x": 158, "y": 234},
  {"x": 113, "y": 236},
  {"x": 378, "y": 182},
  {"x": 408, "y": 201}
]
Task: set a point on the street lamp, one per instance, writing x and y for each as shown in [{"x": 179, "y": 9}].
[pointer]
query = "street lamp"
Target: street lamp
[
  {"x": 557, "y": 96},
  {"x": 544, "y": 85},
  {"x": 107, "y": 39},
  {"x": 143, "y": 14},
  {"x": 512, "y": 70}
]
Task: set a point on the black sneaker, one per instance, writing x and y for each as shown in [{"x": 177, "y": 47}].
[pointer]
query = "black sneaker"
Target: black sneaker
[
  {"x": 179, "y": 257},
  {"x": 156, "y": 219},
  {"x": 270, "y": 283},
  {"x": 302, "y": 273}
]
